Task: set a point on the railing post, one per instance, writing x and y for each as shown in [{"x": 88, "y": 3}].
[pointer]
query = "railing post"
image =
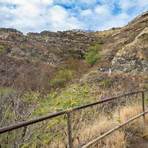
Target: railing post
[
  {"x": 143, "y": 105},
  {"x": 69, "y": 130}
]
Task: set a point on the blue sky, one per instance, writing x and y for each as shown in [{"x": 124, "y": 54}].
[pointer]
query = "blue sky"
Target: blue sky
[{"x": 55, "y": 15}]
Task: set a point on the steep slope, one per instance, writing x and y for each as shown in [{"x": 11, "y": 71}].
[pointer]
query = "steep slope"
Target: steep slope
[
  {"x": 125, "y": 36},
  {"x": 48, "y": 61},
  {"x": 124, "y": 62},
  {"x": 134, "y": 55},
  {"x": 35, "y": 54},
  {"x": 48, "y": 71},
  {"x": 122, "y": 50}
]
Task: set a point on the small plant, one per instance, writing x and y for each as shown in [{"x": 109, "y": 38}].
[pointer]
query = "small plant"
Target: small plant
[
  {"x": 2, "y": 49},
  {"x": 75, "y": 95},
  {"x": 31, "y": 97},
  {"x": 6, "y": 91},
  {"x": 62, "y": 77},
  {"x": 106, "y": 83},
  {"x": 93, "y": 55},
  {"x": 72, "y": 96}
]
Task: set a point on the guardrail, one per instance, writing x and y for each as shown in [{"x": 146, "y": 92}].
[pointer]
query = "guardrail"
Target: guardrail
[{"x": 68, "y": 114}]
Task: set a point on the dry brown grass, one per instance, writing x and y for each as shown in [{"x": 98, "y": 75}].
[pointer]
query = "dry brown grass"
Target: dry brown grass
[
  {"x": 127, "y": 112},
  {"x": 117, "y": 139},
  {"x": 98, "y": 127}
]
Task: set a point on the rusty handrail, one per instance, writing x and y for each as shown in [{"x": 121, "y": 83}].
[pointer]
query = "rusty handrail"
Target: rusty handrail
[
  {"x": 33, "y": 121},
  {"x": 68, "y": 113},
  {"x": 53, "y": 115},
  {"x": 114, "y": 129}
]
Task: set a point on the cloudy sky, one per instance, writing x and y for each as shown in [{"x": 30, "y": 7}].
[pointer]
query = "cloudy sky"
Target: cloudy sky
[{"x": 54, "y": 15}]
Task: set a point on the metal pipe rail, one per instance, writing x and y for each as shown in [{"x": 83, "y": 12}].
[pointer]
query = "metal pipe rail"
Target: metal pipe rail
[
  {"x": 113, "y": 130},
  {"x": 53, "y": 115},
  {"x": 68, "y": 114}
]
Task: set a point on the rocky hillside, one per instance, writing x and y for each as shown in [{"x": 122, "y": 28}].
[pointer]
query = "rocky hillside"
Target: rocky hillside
[
  {"x": 124, "y": 57},
  {"x": 51, "y": 71},
  {"x": 125, "y": 47},
  {"x": 42, "y": 54},
  {"x": 133, "y": 56},
  {"x": 36, "y": 56}
]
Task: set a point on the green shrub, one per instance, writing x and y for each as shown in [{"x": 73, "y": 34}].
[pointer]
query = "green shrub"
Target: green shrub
[
  {"x": 43, "y": 133},
  {"x": 72, "y": 96},
  {"x": 75, "y": 95},
  {"x": 62, "y": 77},
  {"x": 106, "y": 83},
  {"x": 93, "y": 55},
  {"x": 7, "y": 111},
  {"x": 6, "y": 91},
  {"x": 31, "y": 97},
  {"x": 2, "y": 49}
]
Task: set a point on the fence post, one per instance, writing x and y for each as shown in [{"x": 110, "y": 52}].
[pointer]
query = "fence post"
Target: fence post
[
  {"x": 143, "y": 105},
  {"x": 69, "y": 130}
]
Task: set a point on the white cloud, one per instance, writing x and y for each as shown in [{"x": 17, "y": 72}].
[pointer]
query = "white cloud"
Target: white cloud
[
  {"x": 24, "y": 2},
  {"x": 47, "y": 2},
  {"x": 57, "y": 13},
  {"x": 88, "y": 2},
  {"x": 134, "y": 4},
  {"x": 38, "y": 15},
  {"x": 126, "y": 4},
  {"x": 86, "y": 12},
  {"x": 102, "y": 10},
  {"x": 122, "y": 18},
  {"x": 61, "y": 20}
]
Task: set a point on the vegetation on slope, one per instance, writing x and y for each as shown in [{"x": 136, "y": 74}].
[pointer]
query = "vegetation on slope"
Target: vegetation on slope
[
  {"x": 61, "y": 77},
  {"x": 93, "y": 54},
  {"x": 2, "y": 49},
  {"x": 36, "y": 75},
  {"x": 87, "y": 124}
]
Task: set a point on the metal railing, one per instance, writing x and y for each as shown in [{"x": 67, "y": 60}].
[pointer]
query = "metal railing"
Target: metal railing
[{"x": 69, "y": 122}]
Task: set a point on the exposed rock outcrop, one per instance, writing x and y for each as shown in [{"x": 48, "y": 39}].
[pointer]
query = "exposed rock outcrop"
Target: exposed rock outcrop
[{"x": 133, "y": 57}]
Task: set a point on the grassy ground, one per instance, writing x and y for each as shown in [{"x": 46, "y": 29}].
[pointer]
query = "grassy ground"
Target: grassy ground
[{"x": 87, "y": 124}]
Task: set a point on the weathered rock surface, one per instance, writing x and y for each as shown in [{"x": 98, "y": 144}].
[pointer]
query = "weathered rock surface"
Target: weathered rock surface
[{"x": 133, "y": 56}]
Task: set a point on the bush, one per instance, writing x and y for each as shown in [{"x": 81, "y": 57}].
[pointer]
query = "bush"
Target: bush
[
  {"x": 93, "y": 55},
  {"x": 31, "y": 97},
  {"x": 106, "y": 83},
  {"x": 73, "y": 96},
  {"x": 6, "y": 91},
  {"x": 62, "y": 77},
  {"x": 2, "y": 49}
]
